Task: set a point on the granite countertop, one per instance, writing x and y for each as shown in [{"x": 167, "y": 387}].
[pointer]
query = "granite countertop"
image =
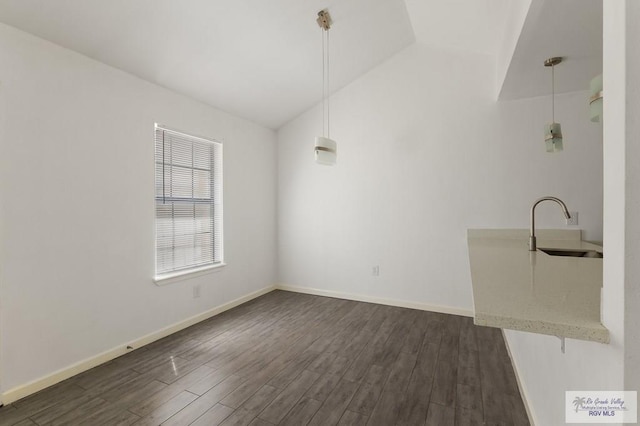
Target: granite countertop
[{"x": 517, "y": 289}]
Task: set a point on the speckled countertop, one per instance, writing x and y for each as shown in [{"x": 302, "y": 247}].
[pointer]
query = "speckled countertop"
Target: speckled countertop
[{"x": 532, "y": 291}]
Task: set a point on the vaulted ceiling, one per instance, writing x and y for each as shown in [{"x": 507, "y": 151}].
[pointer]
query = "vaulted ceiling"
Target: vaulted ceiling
[{"x": 261, "y": 60}]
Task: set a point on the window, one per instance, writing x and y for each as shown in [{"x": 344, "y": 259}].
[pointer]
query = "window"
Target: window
[{"x": 188, "y": 203}]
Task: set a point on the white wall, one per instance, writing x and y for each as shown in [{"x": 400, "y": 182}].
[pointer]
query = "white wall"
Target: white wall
[
  {"x": 77, "y": 213},
  {"x": 424, "y": 152},
  {"x": 546, "y": 373},
  {"x": 621, "y": 80},
  {"x": 632, "y": 196}
]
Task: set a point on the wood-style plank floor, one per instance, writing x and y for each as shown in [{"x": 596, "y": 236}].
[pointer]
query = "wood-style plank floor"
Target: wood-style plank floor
[{"x": 294, "y": 359}]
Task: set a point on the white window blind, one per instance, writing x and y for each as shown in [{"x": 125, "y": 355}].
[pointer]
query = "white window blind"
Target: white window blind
[{"x": 188, "y": 202}]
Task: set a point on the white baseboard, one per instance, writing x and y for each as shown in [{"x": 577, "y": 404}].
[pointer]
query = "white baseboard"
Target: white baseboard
[
  {"x": 378, "y": 300},
  {"x": 523, "y": 390},
  {"x": 21, "y": 391}
]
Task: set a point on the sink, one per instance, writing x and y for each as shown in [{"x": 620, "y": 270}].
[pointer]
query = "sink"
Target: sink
[{"x": 572, "y": 252}]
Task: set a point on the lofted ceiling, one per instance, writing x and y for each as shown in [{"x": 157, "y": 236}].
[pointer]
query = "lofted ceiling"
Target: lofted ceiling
[
  {"x": 475, "y": 25},
  {"x": 262, "y": 60},
  {"x": 257, "y": 59}
]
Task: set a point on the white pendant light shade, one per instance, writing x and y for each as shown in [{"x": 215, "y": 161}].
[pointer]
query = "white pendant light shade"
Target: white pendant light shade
[
  {"x": 553, "y": 137},
  {"x": 326, "y": 151},
  {"x": 595, "y": 99}
]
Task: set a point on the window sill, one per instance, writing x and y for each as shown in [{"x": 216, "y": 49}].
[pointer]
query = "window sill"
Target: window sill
[{"x": 165, "y": 279}]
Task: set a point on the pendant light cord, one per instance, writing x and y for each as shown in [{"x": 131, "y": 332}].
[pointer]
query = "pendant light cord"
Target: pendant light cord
[
  {"x": 325, "y": 84},
  {"x": 323, "y": 81},
  {"x": 553, "y": 95},
  {"x": 328, "y": 95}
]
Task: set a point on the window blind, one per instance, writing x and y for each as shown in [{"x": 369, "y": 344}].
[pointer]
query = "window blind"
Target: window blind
[{"x": 188, "y": 201}]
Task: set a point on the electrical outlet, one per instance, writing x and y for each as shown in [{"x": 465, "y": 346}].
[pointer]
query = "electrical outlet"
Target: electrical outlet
[
  {"x": 375, "y": 271},
  {"x": 573, "y": 221},
  {"x": 196, "y": 291}
]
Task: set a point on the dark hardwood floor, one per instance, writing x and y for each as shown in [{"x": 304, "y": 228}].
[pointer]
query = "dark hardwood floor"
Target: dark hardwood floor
[{"x": 294, "y": 359}]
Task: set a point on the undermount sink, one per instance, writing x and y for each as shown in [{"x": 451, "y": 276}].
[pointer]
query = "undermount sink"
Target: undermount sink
[{"x": 572, "y": 252}]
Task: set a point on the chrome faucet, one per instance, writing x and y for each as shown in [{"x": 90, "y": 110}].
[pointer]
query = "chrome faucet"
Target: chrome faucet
[{"x": 532, "y": 231}]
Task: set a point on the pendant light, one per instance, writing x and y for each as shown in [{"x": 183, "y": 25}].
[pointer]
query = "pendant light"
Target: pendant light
[
  {"x": 325, "y": 147},
  {"x": 595, "y": 99},
  {"x": 553, "y": 131}
]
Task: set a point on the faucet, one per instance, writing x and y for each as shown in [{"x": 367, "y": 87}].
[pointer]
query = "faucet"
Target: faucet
[{"x": 532, "y": 231}]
